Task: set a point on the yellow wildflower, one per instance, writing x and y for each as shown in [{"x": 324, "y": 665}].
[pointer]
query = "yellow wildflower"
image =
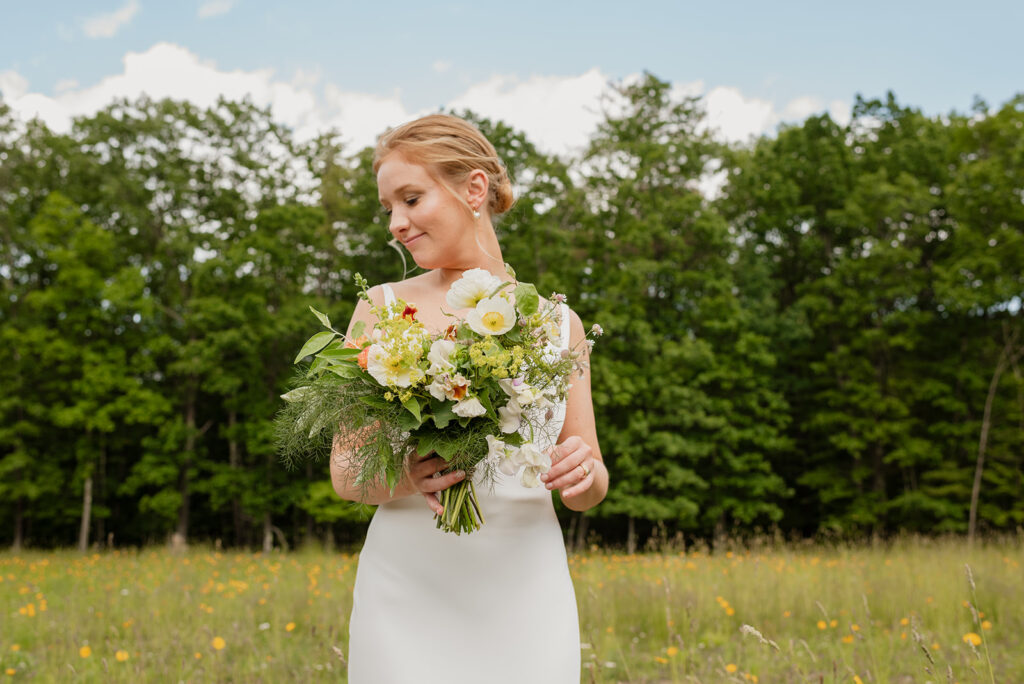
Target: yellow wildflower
[
  {"x": 85, "y": 651},
  {"x": 219, "y": 643},
  {"x": 121, "y": 656},
  {"x": 671, "y": 651},
  {"x": 972, "y": 638},
  {"x": 289, "y": 627},
  {"x": 731, "y": 668}
]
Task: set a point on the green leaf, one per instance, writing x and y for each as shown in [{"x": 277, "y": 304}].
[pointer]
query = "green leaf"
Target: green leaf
[
  {"x": 346, "y": 370},
  {"x": 412, "y": 405},
  {"x": 296, "y": 394},
  {"x": 357, "y": 329},
  {"x": 339, "y": 353},
  {"x": 442, "y": 414},
  {"x": 527, "y": 299},
  {"x": 323, "y": 317},
  {"x": 375, "y": 402},
  {"x": 315, "y": 344}
]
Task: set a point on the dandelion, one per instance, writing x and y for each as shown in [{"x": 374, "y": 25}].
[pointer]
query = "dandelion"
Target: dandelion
[
  {"x": 986, "y": 625},
  {"x": 10, "y": 671},
  {"x": 15, "y": 647},
  {"x": 121, "y": 656},
  {"x": 85, "y": 652},
  {"x": 289, "y": 627},
  {"x": 671, "y": 651},
  {"x": 848, "y": 639},
  {"x": 822, "y": 624},
  {"x": 663, "y": 661},
  {"x": 219, "y": 643},
  {"x": 972, "y": 638},
  {"x": 198, "y": 655},
  {"x": 857, "y": 680},
  {"x": 731, "y": 668}
]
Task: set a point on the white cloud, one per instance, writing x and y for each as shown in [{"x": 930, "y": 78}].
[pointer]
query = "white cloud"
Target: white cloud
[
  {"x": 106, "y": 25},
  {"x": 213, "y": 8},
  {"x": 558, "y": 113},
  {"x": 441, "y": 65}
]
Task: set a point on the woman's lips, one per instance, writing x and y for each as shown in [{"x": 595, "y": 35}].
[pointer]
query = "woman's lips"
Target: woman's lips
[{"x": 412, "y": 239}]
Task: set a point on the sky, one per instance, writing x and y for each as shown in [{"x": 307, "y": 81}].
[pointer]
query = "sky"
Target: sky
[{"x": 542, "y": 66}]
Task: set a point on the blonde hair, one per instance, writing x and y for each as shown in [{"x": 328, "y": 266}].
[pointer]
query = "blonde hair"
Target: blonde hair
[{"x": 450, "y": 148}]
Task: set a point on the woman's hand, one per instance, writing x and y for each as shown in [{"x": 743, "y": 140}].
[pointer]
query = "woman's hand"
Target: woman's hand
[
  {"x": 572, "y": 467},
  {"x": 424, "y": 476}
]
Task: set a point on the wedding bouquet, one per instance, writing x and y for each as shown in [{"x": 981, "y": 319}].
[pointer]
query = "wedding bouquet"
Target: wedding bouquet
[{"x": 479, "y": 394}]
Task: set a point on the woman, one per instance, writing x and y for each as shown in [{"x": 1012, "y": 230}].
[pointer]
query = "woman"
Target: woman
[{"x": 496, "y": 605}]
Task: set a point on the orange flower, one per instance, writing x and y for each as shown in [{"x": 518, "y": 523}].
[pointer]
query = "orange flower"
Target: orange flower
[
  {"x": 450, "y": 332},
  {"x": 363, "y": 357},
  {"x": 357, "y": 344},
  {"x": 410, "y": 312}
]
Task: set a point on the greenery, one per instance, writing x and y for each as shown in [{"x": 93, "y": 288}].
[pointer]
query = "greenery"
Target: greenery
[
  {"x": 839, "y": 613},
  {"x": 830, "y": 345}
]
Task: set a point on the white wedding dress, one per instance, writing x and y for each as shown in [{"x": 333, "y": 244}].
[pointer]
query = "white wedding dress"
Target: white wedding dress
[{"x": 492, "y": 607}]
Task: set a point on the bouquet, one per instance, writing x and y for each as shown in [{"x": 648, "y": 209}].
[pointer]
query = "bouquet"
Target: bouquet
[{"x": 479, "y": 394}]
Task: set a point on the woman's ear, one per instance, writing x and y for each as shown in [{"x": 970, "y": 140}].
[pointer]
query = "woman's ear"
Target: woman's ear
[{"x": 477, "y": 187}]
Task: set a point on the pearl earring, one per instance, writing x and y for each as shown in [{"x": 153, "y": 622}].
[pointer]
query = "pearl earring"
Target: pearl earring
[{"x": 476, "y": 214}]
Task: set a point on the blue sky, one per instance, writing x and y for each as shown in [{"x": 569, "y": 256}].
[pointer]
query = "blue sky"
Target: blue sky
[{"x": 787, "y": 58}]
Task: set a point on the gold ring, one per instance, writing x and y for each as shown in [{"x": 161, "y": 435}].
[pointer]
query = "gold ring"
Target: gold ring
[{"x": 585, "y": 470}]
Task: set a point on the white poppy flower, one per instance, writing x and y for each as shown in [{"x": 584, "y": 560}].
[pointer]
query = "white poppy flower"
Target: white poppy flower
[
  {"x": 529, "y": 477},
  {"x": 469, "y": 408},
  {"x": 386, "y": 368},
  {"x": 492, "y": 316},
  {"x": 439, "y": 357},
  {"x": 474, "y": 285},
  {"x": 509, "y": 416}
]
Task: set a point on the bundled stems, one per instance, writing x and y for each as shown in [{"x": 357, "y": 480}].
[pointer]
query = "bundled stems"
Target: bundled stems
[{"x": 461, "y": 508}]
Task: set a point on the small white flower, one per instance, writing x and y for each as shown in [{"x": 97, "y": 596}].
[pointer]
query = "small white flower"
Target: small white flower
[
  {"x": 439, "y": 357},
  {"x": 474, "y": 285},
  {"x": 450, "y": 387},
  {"x": 597, "y": 330},
  {"x": 492, "y": 316},
  {"x": 264, "y": 626},
  {"x": 469, "y": 408},
  {"x": 510, "y": 416},
  {"x": 534, "y": 462}
]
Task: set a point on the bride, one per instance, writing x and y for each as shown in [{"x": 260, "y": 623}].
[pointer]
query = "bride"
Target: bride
[{"x": 497, "y": 605}]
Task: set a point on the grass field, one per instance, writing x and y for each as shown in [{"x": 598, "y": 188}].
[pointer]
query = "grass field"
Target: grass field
[{"x": 904, "y": 612}]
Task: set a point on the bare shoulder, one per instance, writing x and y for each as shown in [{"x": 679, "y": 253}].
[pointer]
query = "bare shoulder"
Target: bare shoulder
[{"x": 412, "y": 287}]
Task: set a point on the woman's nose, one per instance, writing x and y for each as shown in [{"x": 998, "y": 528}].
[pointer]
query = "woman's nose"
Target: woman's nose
[{"x": 399, "y": 222}]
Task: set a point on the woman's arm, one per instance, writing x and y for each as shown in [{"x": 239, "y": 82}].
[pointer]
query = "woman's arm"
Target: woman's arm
[
  {"x": 419, "y": 475},
  {"x": 581, "y": 488}
]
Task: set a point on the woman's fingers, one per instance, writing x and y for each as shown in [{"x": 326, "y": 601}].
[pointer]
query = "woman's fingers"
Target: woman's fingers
[
  {"x": 570, "y": 465},
  {"x": 580, "y": 487},
  {"x": 433, "y": 502}
]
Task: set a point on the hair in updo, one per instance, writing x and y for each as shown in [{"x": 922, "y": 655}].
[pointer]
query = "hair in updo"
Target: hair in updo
[{"x": 450, "y": 148}]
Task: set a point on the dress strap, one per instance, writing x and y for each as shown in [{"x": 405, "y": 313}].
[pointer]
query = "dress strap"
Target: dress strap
[
  {"x": 389, "y": 294},
  {"x": 565, "y": 326}
]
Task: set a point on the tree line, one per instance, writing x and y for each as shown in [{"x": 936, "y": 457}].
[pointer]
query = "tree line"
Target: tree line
[{"x": 830, "y": 344}]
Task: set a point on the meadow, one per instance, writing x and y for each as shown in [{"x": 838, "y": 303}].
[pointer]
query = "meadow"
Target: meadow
[{"x": 905, "y": 611}]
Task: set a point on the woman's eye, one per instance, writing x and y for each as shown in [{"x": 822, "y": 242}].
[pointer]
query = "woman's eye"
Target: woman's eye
[{"x": 411, "y": 201}]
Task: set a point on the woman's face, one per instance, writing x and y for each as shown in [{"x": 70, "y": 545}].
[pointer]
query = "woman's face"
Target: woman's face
[{"x": 424, "y": 216}]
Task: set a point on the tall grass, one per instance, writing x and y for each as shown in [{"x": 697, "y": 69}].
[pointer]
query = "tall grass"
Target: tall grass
[{"x": 902, "y": 612}]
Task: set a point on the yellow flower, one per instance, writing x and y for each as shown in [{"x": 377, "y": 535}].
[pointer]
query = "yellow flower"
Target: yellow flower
[
  {"x": 671, "y": 651},
  {"x": 198, "y": 655},
  {"x": 85, "y": 651},
  {"x": 787, "y": 614},
  {"x": 15, "y": 647},
  {"x": 904, "y": 621},
  {"x": 10, "y": 671},
  {"x": 972, "y": 638},
  {"x": 848, "y": 639},
  {"x": 219, "y": 643},
  {"x": 289, "y": 627},
  {"x": 822, "y": 624},
  {"x": 833, "y": 624},
  {"x": 985, "y": 624},
  {"x": 854, "y": 628},
  {"x": 121, "y": 656},
  {"x": 731, "y": 667},
  {"x": 857, "y": 680},
  {"x": 663, "y": 661}
]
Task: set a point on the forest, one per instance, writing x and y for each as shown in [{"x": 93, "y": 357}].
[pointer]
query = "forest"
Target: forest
[{"x": 828, "y": 343}]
